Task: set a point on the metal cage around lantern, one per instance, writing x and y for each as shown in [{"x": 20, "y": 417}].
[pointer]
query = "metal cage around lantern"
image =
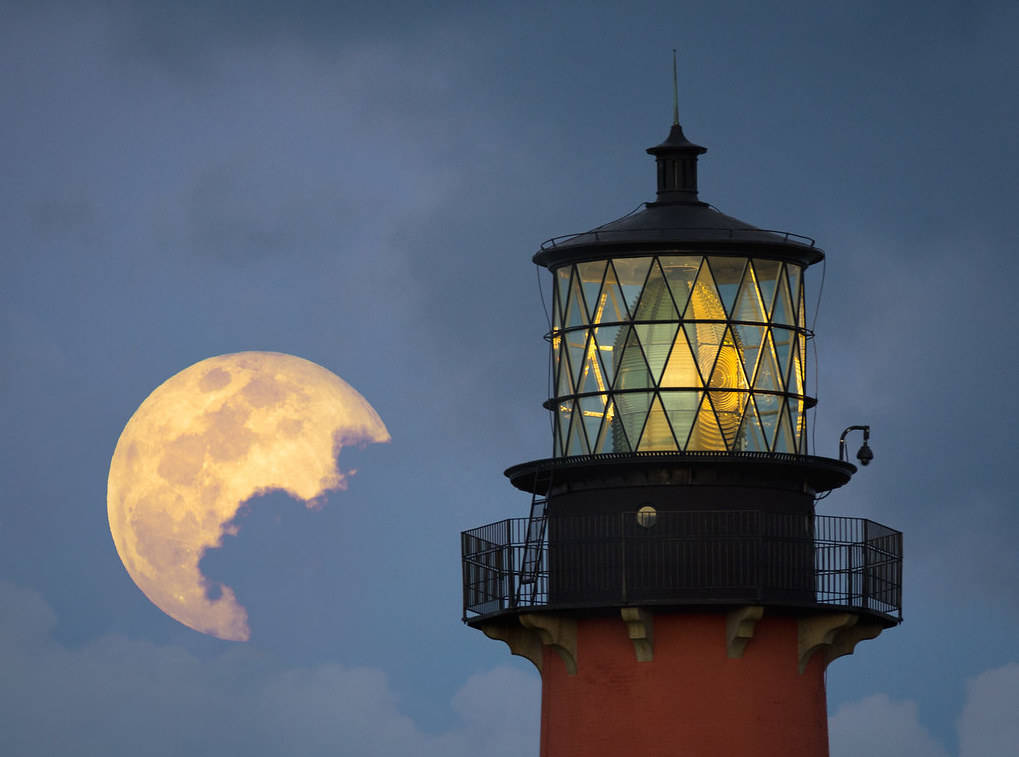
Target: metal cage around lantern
[{"x": 679, "y": 352}]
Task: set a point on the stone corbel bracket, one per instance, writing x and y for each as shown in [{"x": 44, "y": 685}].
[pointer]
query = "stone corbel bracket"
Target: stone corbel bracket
[
  {"x": 557, "y": 632},
  {"x": 641, "y": 629},
  {"x": 521, "y": 641},
  {"x": 739, "y": 629},
  {"x": 837, "y": 634}
]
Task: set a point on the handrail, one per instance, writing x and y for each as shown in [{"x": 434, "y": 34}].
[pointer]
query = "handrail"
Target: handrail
[
  {"x": 662, "y": 232},
  {"x": 686, "y": 558}
]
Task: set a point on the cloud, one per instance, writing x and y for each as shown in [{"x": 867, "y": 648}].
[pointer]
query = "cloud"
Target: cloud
[
  {"x": 879, "y": 726},
  {"x": 120, "y": 696},
  {"x": 988, "y": 726}
]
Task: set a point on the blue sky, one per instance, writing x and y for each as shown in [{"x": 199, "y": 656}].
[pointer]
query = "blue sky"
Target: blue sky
[{"x": 365, "y": 188}]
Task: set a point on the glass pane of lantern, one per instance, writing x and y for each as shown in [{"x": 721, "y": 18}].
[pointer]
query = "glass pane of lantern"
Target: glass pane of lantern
[
  {"x": 631, "y": 274},
  {"x": 767, "y": 410},
  {"x": 591, "y": 377},
  {"x": 783, "y": 339},
  {"x": 611, "y": 307},
  {"x": 705, "y": 340},
  {"x": 728, "y": 370},
  {"x": 657, "y": 435},
  {"x": 632, "y": 370},
  {"x": 656, "y": 339},
  {"x": 751, "y": 436},
  {"x": 563, "y": 415},
  {"x": 794, "y": 382},
  {"x": 576, "y": 312},
  {"x": 564, "y": 385},
  {"x": 680, "y": 370},
  {"x": 782, "y": 312},
  {"x": 748, "y": 341},
  {"x": 576, "y": 443},
  {"x": 749, "y": 305},
  {"x": 632, "y": 409},
  {"x": 729, "y": 411},
  {"x": 794, "y": 274},
  {"x": 798, "y": 418},
  {"x": 784, "y": 436},
  {"x": 590, "y": 275},
  {"x": 591, "y": 410},
  {"x": 680, "y": 271},
  {"x": 557, "y": 320},
  {"x": 655, "y": 301},
  {"x": 704, "y": 302},
  {"x": 576, "y": 343},
  {"x": 617, "y": 433},
  {"x": 610, "y": 346},
  {"x": 767, "y": 377},
  {"x": 767, "y": 273},
  {"x": 706, "y": 435},
  {"x": 605, "y": 440},
  {"x": 728, "y": 273},
  {"x": 681, "y": 407}
]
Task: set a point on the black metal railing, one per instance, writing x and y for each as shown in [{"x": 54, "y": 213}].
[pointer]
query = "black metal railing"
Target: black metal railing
[{"x": 683, "y": 558}]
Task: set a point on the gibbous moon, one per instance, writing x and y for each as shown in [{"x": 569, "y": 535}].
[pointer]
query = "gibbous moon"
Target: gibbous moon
[{"x": 203, "y": 443}]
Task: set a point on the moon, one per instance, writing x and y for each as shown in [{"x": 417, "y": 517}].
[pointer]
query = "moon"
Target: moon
[{"x": 204, "y": 442}]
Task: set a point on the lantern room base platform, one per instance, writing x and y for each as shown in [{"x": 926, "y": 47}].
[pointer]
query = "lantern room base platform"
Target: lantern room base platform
[{"x": 697, "y": 684}]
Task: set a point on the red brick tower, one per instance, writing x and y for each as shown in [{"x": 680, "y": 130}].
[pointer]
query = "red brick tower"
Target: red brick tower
[{"x": 673, "y": 583}]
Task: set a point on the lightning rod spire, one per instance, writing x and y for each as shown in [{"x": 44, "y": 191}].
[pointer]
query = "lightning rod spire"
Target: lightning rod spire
[{"x": 675, "y": 91}]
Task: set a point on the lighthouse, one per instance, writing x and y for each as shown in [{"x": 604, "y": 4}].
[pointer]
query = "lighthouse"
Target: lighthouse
[{"x": 672, "y": 582}]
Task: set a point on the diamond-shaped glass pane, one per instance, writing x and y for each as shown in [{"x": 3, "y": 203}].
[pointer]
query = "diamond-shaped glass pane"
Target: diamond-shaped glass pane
[
  {"x": 728, "y": 370},
  {"x": 576, "y": 443},
  {"x": 611, "y": 307},
  {"x": 751, "y": 436},
  {"x": 680, "y": 271},
  {"x": 592, "y": 378},
  {"x": 632, "y": 372},
  {"x": 784, "y": 441},
  {"x": 576, "y": 312},
  {"x": 610, "y": 342},
  {"x": 766, "y": 274},
  {"x": 704, "y": 302},
  {"x": 564, "y": 382},
  {"x": 767, "y": 377},
  {"x": 631, "y": 410},
  {"x": 681, "y": 407},
  {"x": 798, "y": 418},
  {"x": 795, "y": 276},
  {"x": 620, "y": 443},
  {"x": 748, "y": 341},
  {"x": 655, "y": 301},
  {"x": 557, "y": 319},
  {"x": 782, "y": 312},
  {"x": 604, "y": 438},
  {"x": 749, "y": 305},
  {"x": 768, "y": 406},
  {"x": 592, "y": 409},
  {"x": 657, "y": 340},
  {"x": 657, "y": 435},
  {"x": 590, "y": 275},
  {"x": 576, "y": 344},
  {"x": 681, "y": 368},
  {"x": 706, "y": 435},
  {"x": 729, "y": 411},
  {"x": 705, "y": 340},
  {"x": 728, "y": 273},
  {"x": 564, "y": 412},
  {"x": 783, "y": 339},
  {"x": 794, "y": 383},
  {"x": 631, "y": 274}
]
